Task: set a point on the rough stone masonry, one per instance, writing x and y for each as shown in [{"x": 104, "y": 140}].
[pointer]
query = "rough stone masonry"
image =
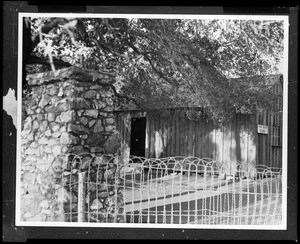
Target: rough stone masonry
[{"x": 67, "y": 113}]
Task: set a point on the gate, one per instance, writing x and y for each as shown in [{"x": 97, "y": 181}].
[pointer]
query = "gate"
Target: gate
[{"x": 173, "y": 190}]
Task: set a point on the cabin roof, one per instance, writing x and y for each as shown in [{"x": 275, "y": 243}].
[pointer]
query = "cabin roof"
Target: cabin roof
[{"x": 270, "y": 80}]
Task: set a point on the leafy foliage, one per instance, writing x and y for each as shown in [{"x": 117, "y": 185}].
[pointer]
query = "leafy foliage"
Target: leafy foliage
[{"x": 167, "y": 63}]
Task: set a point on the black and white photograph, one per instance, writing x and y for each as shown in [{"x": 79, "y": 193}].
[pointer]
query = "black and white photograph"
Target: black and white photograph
[{"x": 152, "y": 121}]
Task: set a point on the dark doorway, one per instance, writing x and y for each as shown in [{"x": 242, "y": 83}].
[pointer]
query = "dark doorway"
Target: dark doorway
[{"x": 138, "y": 135}]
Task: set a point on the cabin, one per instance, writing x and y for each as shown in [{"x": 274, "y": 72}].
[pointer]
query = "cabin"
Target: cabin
[{"x": 255, "y": 138}]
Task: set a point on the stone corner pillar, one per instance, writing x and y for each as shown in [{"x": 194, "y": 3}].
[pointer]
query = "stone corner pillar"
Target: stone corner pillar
[{"x": 67, "y": 113}]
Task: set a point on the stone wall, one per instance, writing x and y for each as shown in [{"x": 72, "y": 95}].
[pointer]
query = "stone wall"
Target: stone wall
[{"x": 70, "y": 112}]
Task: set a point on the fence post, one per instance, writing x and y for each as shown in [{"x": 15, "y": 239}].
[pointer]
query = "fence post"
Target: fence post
[{"x": 81, "y": 196}]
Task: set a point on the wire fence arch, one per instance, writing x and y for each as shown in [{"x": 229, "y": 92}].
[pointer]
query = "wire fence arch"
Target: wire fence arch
[{"x": 172, "y": 190}]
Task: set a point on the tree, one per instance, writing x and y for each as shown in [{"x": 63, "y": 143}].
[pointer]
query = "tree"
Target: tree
[{"x": 167, "y": 63}]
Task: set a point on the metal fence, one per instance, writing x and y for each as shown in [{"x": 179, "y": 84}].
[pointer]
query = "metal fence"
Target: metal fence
[{"x": 173, "y": 190}]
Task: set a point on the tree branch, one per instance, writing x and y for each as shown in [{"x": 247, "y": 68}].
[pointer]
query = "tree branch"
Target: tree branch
[
  {"x": 145, "y": 55},
  {"x": 45, "y": 30}
]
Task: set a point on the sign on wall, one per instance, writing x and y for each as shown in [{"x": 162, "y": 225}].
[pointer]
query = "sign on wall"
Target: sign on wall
[{"x": 262, "y": 129}]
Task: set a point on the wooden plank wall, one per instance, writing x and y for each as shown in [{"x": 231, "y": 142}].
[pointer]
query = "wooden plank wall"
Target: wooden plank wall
[
  {"x": 269, "y": 151},
  {"x": 269, "y": 146},
  {"x": 184, "y": 137}
]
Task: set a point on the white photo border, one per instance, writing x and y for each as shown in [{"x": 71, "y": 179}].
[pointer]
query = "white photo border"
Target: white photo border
[{"x": 284, "y": 18}]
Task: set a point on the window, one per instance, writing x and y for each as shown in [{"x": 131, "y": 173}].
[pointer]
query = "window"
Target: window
[{"x": 275, "y": 136}]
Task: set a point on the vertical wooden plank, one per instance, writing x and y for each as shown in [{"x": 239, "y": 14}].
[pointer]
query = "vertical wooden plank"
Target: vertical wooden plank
[
  {"x": 252, "y": 153},
  {"x": 232, "y": 139},
  {"x": 169, "y": 126},
  {"x": 170, "y": 130},
  {"x": 244, "y": 137},
  {"x": 147, "y": 136},
  {"x": 236, "y": 139},
  {"x": 216, "y": 143},
  {"x": 240, "y": 140},
  {"x": 159, "y": 129},
  {"x": 181, "y": 139},
  {"x": 153, "y": 141},
  {"x": 158, "y": 132},
  {"x": 190, "y": 138},
  {"x": 171, "y": 135},
  {"x": 158, "y": 140},
  {"x": 166, "y": 137},
  {"x": 241, "y": 137},
  {"x": 205, "y": 139},
  {"x": 202, "y": 131},
  {"x": 279, "y": 163},
  {"x": 163, "y": 137},
  {"x": 194, "y": 134},
  {"x": 197, "y": 138},
  {"x": 180, "y": 132},
  {"x": 177, "y": 138},
  {"x": 272, "y": 133},
  {"x": 210, "y": 135},
  {"x": 212, "y": 140},
  {"x": 155, "y": 136},
  {"x": 172, "y": 151},
  {"x": 247, "y": 146},
  {"x": 181, "y": 136},
  {"x": 226, "y": 142},
  {"x": 217, "y": 150},
  {"x": 174, "y": 136},
  {"x": 152, "y": 138},
  {"x": 268, "y": 139},
  {"x": 186, "y": 135}
]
